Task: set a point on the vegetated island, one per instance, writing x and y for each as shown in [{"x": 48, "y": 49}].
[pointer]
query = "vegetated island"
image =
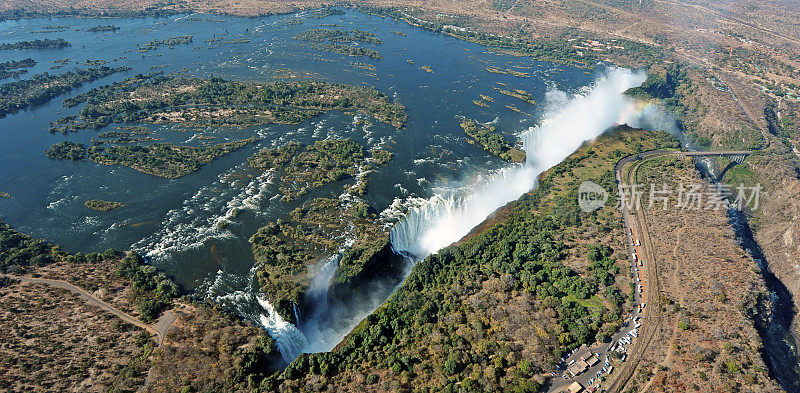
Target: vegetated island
[
  {"x": 491, "y": 141},
  {"x": 333, "y": 40},
  {"x": 98, "y": 29},
  {"x": 5, "y": 195},
  {"x": 160, "y": 159},
  {"x": 46, "y": 43},
  {"x": 67, "y": 150},
  {"x": 162, "y": 99},
  {"x": 13, "y": 68},
  {"x": 287, "y": 250},
  {"x": 102, "y": 206},
  {"x": 519, "y": 94},
  {"x": 44, "y": 87},
  {"x": 318, "y": 164},
  {"x": 324, "y": 12},
  {"x": 337, "y": 35},
  {"x": 170, "y": 42}
]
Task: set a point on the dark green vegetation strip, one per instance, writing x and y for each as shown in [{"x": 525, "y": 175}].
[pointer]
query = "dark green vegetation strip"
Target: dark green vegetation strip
[
  {"x": 170, "y": 42},
  {"x": 37, "y": 44},
  {"x": 554, "y": 49},
  {"x": 44, "y": 87},
  {"x": 336, "y": 35},
  {"x": 13, "y": 68},
  {"x": 491, "y": 141},
  {"x": 102, "y": 28},
  {"x": 219, "y": 102},
  {"x": 102, "y": 206},
  {"x": 163, "y": 159}
]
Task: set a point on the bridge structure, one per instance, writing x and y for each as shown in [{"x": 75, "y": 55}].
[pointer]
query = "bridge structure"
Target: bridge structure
[{"x": 737, "y": 156}]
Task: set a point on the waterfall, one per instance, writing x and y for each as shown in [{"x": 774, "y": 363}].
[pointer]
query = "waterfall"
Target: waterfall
[
  {"x": 243, "y": 295},
  {"x": 289, "y": 339},
  {"x": 569, "y": 121}
]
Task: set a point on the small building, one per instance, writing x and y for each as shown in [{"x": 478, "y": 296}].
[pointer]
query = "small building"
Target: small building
[
  {"x": 578, "y": 367},
  {"x": 574, "y": 388},
  {"x": 592, "y": 360}
]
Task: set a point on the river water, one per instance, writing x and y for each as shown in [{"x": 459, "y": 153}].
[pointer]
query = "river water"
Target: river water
[
  {"x": 438, "y": 184},
  {"x": 175, "y": 222}
]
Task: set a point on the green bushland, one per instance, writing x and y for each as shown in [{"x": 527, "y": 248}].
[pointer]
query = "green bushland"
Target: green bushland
[
  {"x": 347, "y": 50},
  {"x": 13, "y": 68},
  {"x": 336, "y": 35},
  {"x": 218, "y": 102},
  {"x": 102, "y": 28},
  {"x": 163, "y": 159},
  {"x": 153, "y": 292},
  {"x": 171, "y": 42},
  {"x": 46, "y": 43},
  {"x": 102, "y": 206},
  {"x": 43, "y": 87},
  {"x": 491, "y": 141},
  {"x": 67, "y": 150},
  {"x": 305, "y": 167}
]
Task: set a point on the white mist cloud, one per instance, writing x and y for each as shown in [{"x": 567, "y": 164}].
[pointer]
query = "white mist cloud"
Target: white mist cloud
[{"x": 570, "y": 120}]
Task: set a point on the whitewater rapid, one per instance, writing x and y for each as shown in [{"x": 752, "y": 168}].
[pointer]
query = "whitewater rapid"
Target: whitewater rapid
[
  {"x": 436, "y": 222},
  {"x": 569, "y": 121}
]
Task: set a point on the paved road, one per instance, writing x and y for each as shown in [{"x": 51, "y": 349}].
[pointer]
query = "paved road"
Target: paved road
[
  {"x": 651, "y": 315},
  {"x": 159, "y": 329}
]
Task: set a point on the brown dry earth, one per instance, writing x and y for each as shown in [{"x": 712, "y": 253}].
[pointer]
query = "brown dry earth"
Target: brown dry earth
[{"x": 708, "y": 294}]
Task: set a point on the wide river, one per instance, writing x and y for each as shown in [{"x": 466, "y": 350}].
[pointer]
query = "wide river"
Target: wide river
[{"x": 175, "y": 222}]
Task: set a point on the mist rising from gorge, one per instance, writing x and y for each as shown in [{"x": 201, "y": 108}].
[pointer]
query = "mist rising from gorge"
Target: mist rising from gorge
[{"x": 569, "y": 121}]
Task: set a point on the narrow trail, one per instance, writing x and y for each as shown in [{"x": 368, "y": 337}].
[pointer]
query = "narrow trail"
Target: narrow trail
[{"x": 158, "y": 329}]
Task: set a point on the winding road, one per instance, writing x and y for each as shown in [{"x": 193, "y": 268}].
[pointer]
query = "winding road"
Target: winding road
[
  {"x": 158, "y": 329},
  {"x": 625, "y": 172}
]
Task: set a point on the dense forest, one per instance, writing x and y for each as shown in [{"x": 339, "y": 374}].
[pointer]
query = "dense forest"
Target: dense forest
[
  {"x": 14, "y": 68},
  {"x": 171, "y": 99},
  {"x": 491, "y": 141},
  {"x": 102, "y": 28},
  {"x": 163, "y": 159},
  {"x": 44, "y": 87},
  {"x": 46, "y": 43}
]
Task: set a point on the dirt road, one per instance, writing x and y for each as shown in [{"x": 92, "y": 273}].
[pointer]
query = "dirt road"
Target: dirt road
[{"x": 158, "y": 329}]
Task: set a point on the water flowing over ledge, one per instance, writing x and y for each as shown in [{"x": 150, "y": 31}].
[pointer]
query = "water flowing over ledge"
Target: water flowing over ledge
[
  {"x": 432, "y": 224},
  {"x": 569, "y": 122}
]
